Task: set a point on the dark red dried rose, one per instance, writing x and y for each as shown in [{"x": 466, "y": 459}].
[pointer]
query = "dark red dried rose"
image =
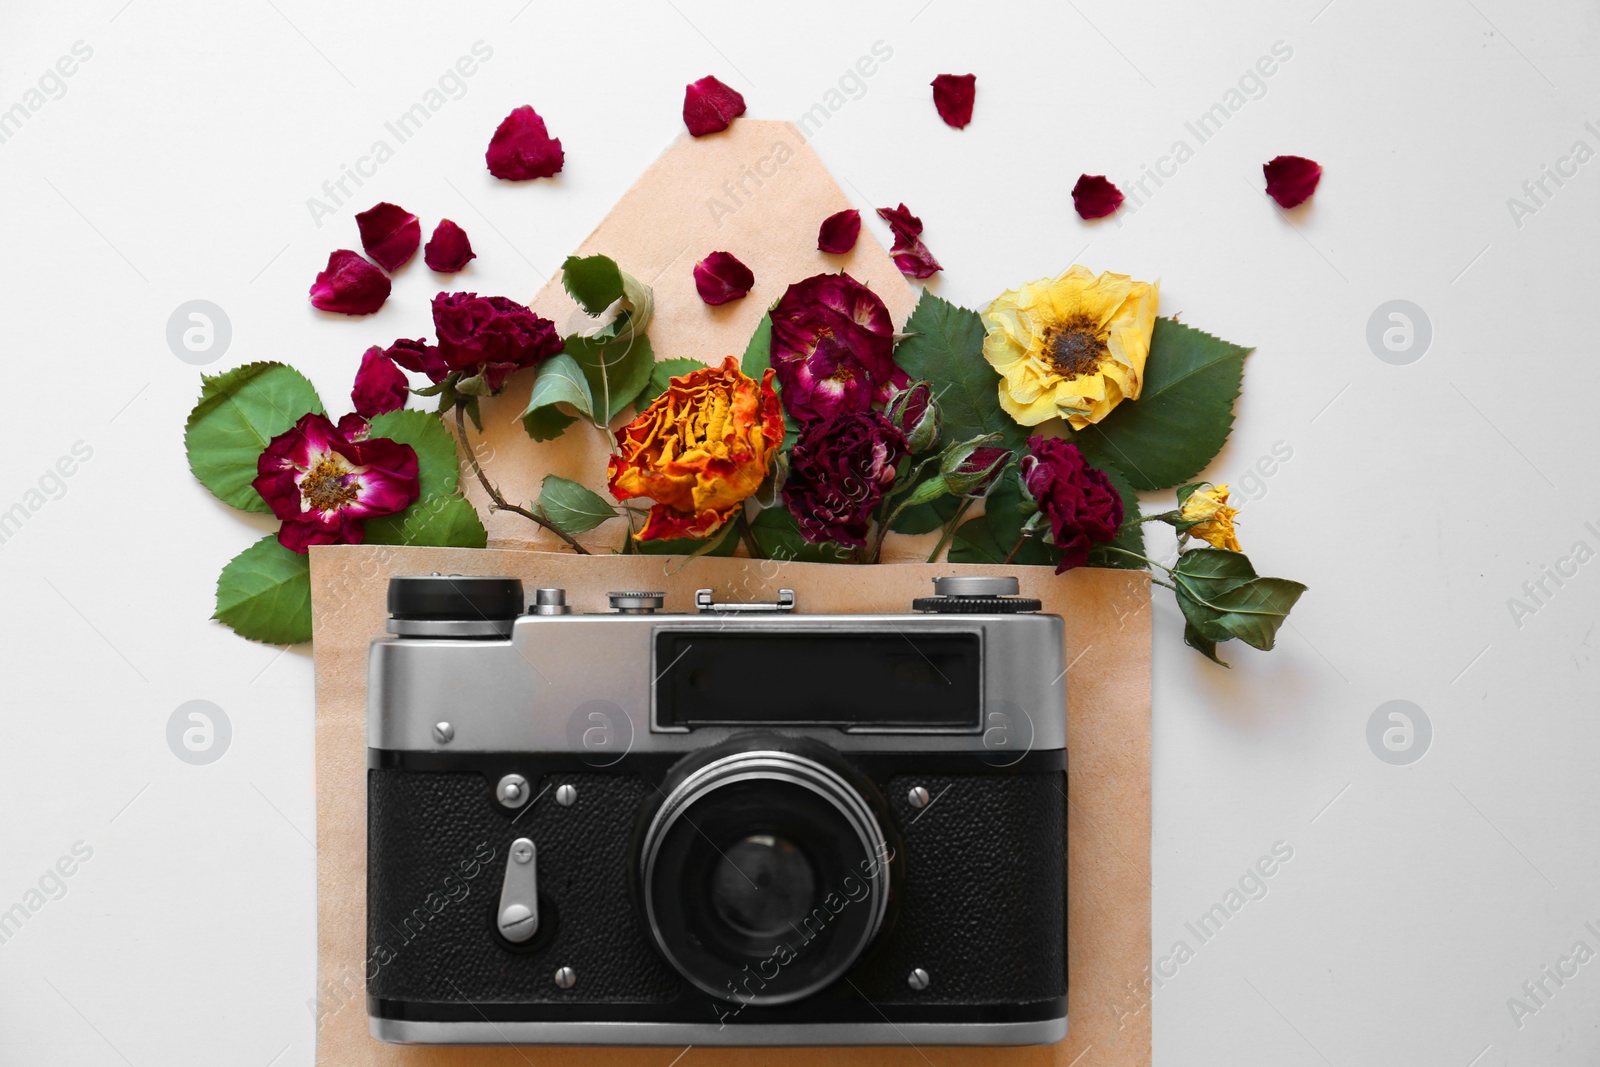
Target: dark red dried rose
[
  {"x": 349, "y": 285},
  {"x": 1080, "y": 502},
  {"x": 833, "y": 347},
  {"x": 952, "y": 95},
  {"x": 1291, "y": 179},
  {"x": 839, "y": 470},
  {"x": 324, "y": 481},
  {"x": 448, "y": 250},
  {"x": 491, "y": 336},
  {"x": 910, "y": 254},
  {"x": 390, "y": 234},
  {"x": 720, "y": 278},
  {"x": 839, "y": 232},
  {"x": 380, "y": 385},
  {"x": 522, "y": 148},
  {"x": 419, "y": 356},
  {"x": 710, "y": 106},
  {"x": 1095, "y": 197}
]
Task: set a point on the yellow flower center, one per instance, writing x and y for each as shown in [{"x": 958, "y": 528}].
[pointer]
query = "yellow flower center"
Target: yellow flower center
[
  {"x": 1074, "y": 346},
  {"x": 327, "y": 485}
]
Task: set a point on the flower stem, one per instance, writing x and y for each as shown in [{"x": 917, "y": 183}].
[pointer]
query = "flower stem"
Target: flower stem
[
  {"x": 499, "y": 502},
  {"x": 1014, "y": 549},
  {"x": 747, "y": 535},
  {"x": 1135, "y": 555},
  {"x": 950, "y": 530}
]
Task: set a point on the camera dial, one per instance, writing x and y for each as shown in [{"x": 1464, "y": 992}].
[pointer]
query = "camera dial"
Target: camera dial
[{"x": 453, "y": 605}]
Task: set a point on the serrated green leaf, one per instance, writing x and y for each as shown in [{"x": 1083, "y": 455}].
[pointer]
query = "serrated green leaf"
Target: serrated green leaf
[
  {"x": 264, "y": 593},
  {"x": 572, "y": 507},
  {"x": 925, "y": 518},
  {"x": 561, "y": 381},
  {"x": 758, "y": 353},
  {"x": 616, "y": 373},
  {"x": 1222, "y": 597},
  {"x": 1254, "y": 611},
  {"x": 778, "y": 537},
  {"x": 1184, "y": 412},
  {"x": 945, "y": 346},
  {"x": 1201, "y": 643},
  {"x": 437, "y": 467},
  {"x": 440, "y": 521},
  {"x": 659, "y": 379},
  {"x": 595, "y": 282},
  {"x": 238, "y": 413}
]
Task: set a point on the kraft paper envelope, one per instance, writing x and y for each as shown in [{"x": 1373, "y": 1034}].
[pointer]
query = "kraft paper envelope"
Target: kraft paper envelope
[{"x": 759, "y": 192}]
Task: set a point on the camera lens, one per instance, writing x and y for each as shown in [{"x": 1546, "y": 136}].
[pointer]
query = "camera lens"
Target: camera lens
[
  {"x": 765, "y": 875},
  {"x": 763, "y": 887}
]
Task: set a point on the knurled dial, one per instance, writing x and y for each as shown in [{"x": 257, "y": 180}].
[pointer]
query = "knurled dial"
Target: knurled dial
[{"x": 975, "y": 594}]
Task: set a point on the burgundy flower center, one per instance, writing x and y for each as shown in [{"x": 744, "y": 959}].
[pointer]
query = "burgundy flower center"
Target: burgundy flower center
[
  {"x": 1074, "y": 347},
  {"x": 329, "y": 485}
]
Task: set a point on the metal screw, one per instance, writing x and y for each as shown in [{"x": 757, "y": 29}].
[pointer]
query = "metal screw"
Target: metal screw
[
  {"x": 566, "y": 795},
  {"x": 566, "y": 978},
  {"x": 919, "y": 979},
  {"x": 443, "y": 732},
  {"x": 512, "y": 791},
  {"x": 522, "y": 851},
  {"x": 919, "y": 797}
]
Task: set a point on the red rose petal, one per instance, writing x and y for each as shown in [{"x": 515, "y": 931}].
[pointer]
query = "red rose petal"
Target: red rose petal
[
  {"x": 952, "y": 95},
  {"x": 522, "y": 148},
  {"x": 1094, "y": 197},
  {"x": 390, "y": 234},
  {"x": 906, "y": 226},
  {"x": 1291, "y": 179},
  {"x": 349, "y": 285},
  {"x": 916, "y": 261},
  {"x": 448, "y": 250},
  {"x": 720, "y": 278},
  {"x": 710, "y": 106},
  {"x": 839, "y": 232},
  {"x": 380, "y": 385}
]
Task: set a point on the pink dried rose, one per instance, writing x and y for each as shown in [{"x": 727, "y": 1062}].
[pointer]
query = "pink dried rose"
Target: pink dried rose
[
  {"x": 833, "y": 347},
  {"x": 448, "y": 250},
  {"x": 953, "y": 95},
  {"x": 1094, "y": 197},
  {"x": 522, "y": 148},
  {"x": 324, "y": 481},
  {"x": 839, "y": 232},
  {"x": 349, "y": 285},
  {"x": 910, "y": 254},
  {"x": 380, "y": 385},
  {"x": 390, "y": 234},
  {"x": 720, "y": 278},
  {"x": 419, "y": 356},
  {"x": 710, "y": 106},
  {"x": 1291, "y": 179}
]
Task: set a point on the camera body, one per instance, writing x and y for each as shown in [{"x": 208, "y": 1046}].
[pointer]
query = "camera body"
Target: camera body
[{"x": 738, "y": 826}]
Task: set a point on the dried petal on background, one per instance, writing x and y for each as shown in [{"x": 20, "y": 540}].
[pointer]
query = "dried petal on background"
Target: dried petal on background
[
  {"x": 1094, "y": 197},
  {"x": 906, "y": 226},
  {"x": 522, "y": 148},
  {"x": 839, "y": 232},
  {"x": 953, "y": 95},
  {"x": 390, "y": 234},
  {"x": 916, "y": 261},
  {"x": 448, "y": 250},
  {"x": 720, "y": 278},
  {"x": 710, "y": 106},
  {"x": 1291, "y": 179},
  {"x": 380, "y": 385},
  {"x": 349, "y": 285}
]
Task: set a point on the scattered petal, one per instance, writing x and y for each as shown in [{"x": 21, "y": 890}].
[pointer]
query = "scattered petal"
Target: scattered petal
[
  {"x": 906, "y": 226},
  {"x": 839, "y": 232},
  {"x": 916, "y": 261},
  {"x": 349, "y": 285},
  {"x": 380, "y": 385},
  {"x": 448, "y": 250},
  {"x": 1094, "y": 197},
  {"x": 710, "y": 106},
  {"x": 1291, "y": 179},
  {"x": 390, "y": 234},
  {"x": 421, "y": 357},
  {"x": 720, "y": 278},
  {"x": 952, "y": 95},
  {"x": 522, "y": 148}
]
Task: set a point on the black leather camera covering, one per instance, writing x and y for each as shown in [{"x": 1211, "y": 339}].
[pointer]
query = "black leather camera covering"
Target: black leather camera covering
[{"x": 979, "y": 904}]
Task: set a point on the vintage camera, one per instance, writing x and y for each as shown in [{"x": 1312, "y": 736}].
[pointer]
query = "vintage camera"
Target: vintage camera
[{"x": 738, "y": 826}]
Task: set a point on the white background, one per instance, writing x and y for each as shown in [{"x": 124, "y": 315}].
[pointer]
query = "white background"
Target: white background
[{"x": 177, "y": 164}]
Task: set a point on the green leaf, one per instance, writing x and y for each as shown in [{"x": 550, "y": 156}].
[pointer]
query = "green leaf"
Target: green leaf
[
  {"x": 1005, "y": 511},
  {"x": 925, "y": 518},
  {"x": 945, "y": 346},
  {"x": 758, "y": 353},
  {"x": 561, "y": 381},
  {"x": 616, "y": 373},
  {"x": 1184, "y": 412},
  {"x": 658, "y": 383},
  {"x": 573, "y": 508},
  {"x": 722, "y": 542},
  {"x": 1222, "y": 598},
  {"x": 437, "y": 467},
  {"x": 595, "y": 282},
  {"x": 1201, "y": 643},
  {"x": 238, "y": 413},
  {"x": 1130, "y": 538},
  {"x": 439, "y": 521},
  {"x": 778, "y": 537},
  {"x": 264, "y": 593}
]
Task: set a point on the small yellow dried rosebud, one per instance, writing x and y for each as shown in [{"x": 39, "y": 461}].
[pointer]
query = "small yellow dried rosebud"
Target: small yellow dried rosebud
[{"x": 1213, "y": 519}]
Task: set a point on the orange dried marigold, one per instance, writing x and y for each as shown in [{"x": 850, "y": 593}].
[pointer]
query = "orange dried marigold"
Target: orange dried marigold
[{"x": 699, "y": 450}]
